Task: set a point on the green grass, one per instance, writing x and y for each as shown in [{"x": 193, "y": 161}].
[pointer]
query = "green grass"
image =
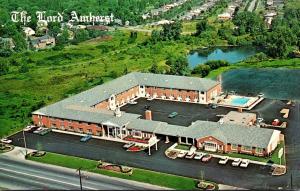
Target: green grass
[
  {"x": 141, "y": 175},
  {"x": 183, "y": 147}
]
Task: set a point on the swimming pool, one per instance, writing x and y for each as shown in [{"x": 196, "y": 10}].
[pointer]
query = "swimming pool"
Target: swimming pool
[{"x": 239, "y": 101}]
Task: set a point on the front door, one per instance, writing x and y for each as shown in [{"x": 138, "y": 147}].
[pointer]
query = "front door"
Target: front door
[{"x": 209, "y": 146}]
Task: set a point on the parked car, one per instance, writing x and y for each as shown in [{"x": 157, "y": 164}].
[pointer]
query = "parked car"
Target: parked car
[
  {"x": 45, "y": 131},
  {"x": 4, "y": 140},
  {"x": 223, "y": 160},
  {"x": 181, "y": 154},
  {"x": 259, "y": 119},
  {"x": 86, "y": 138},
  {"x": 38, "y": 130},
  {"x": 128, "y": 145},
  {"x": 28, "y": 128},
  {"x": 190, "y": 155},
  {"x": 206, "y": 158},
  {"x": 236, "y": 162},
  {"x": 260, "y": 95},
  {"x": 213, "y": 106},
  {"x": 245, "y": 163},
  {"x": 32, "y": 129},
  {"x": 173, "y": 114},
  {"x": 131, "y": 102},
  {"x": 199, "y": 156}
]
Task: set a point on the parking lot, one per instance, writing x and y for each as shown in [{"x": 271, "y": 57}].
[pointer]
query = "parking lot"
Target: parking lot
[
  {"x": 187, "y": 112},
  {"x": 253, "y": 177}
]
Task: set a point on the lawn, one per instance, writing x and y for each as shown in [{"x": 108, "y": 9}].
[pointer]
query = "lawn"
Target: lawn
[
  {"x": 183, "y": 147},
  {"x": 141, "y": 175}
]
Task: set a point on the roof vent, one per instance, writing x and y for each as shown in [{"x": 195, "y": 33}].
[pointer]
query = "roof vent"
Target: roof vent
[{"x": 221, "y": 121}]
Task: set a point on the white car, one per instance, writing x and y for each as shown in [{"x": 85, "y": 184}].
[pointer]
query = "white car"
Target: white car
[
  {"x": 223, "y": 160},
  {"x": 38, "y": 130},
  {"x": 181, "y": 154},
  {"x": 260, "y": 95},
  {"x": 132, "y": 102},
  {"x": 199, "y": 156},
  {"x": 245, "y": 163},
  {"x": 259, "y": 120},
  {"x": 128, "y": 145},
  {"x": 28, "y": 128},
  {"x": 6, "y": 140},
  {"x": 236, "y": 162}
]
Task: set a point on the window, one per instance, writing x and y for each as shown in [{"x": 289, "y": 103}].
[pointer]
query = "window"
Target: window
[
  {"x": 80, "y": 130},
  {"x": 99, "y": 133},
  {"x": 259, "y": 150},
  {"x": 90, "y": 131},
  {"x": 202, "y": 92},
  {"x": 234, "y": 147},
  {"x": 71, "y": 128},
  {"x": 246, "y": 148}
]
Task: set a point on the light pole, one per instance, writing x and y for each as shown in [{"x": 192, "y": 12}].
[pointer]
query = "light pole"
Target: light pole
[{"x": 79, "y": 172}]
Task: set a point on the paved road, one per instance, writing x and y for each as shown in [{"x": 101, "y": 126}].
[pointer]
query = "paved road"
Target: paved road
[{"x": 20, "y": 174}]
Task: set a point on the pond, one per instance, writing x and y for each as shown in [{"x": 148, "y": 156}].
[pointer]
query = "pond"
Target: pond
[
  {"x": 230, "y": 54},
  {"x": 275, "y": 83}
]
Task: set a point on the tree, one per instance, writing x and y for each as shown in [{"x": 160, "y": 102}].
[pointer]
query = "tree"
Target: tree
[
  {"x": 24, "y": 68},
  {"x": 20, "y": 42},
  {"x": 4, "y": 67},
  {"x": 202, "y": 69},
  {"x": 154, "y": 69},
  {"x": 171, "y": 31},
  {"x": 200, "y": 27},
  {"x": 155, "y": 36},
  {"x": 178, "y": 66}
]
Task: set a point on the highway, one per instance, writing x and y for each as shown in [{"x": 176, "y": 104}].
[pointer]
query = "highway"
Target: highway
[{"x": 21, "y": 174}]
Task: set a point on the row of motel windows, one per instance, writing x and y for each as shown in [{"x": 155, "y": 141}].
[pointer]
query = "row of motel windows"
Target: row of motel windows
[
  {"x": 246, "y": 148},
  {"x": 202, "y": 92},
  {"x": 80, "y": 130}
]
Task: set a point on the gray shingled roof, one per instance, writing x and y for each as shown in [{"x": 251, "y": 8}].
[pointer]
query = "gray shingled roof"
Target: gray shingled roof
[
  {"x": 175, "y": 82},
  {"x": 230, "y": 133},
  {"x": 145, "y": 125}
]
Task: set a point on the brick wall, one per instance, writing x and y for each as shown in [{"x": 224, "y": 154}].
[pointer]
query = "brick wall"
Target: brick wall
[
  {"x": 102, "y": 105},
  {"x": 122, "y": 97},
  {"x": 217, "y": 88},
  {"x": 67, "y": 124},
  {"x": 172, "y": 92}
]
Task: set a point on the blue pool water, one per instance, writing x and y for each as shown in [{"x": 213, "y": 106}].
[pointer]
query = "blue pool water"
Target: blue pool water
[{"x": 239, "y": 101}]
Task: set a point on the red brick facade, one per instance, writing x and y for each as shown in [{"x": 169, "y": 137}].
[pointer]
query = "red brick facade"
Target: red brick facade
[
  {"x": 172, "y": 92},
  {"x": 69, "y": 125},
  {"x": 228, "y": 148},
  {"x": 129, "y": 94}
]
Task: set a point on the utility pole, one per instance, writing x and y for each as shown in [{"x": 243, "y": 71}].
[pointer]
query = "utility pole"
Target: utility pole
[
  {"x": 291, "y": 181},
  {"x": 79, "y": 172}
]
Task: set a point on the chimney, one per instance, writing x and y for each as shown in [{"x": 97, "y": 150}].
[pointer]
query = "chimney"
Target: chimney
[{"x": 148, "y": 115}]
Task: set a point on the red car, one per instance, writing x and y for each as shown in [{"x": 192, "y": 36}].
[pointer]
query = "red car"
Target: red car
[{"x": 206, "y": 158}]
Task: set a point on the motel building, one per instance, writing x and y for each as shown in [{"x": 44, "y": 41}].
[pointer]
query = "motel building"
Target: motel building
[{"x": 97, "y": 112}]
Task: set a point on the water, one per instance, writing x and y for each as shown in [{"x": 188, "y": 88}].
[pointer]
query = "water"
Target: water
[
  {"x": 239, "y": 101},
  {"x": 275, "y": 83},
  {"x": 230, "y": 54}
]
